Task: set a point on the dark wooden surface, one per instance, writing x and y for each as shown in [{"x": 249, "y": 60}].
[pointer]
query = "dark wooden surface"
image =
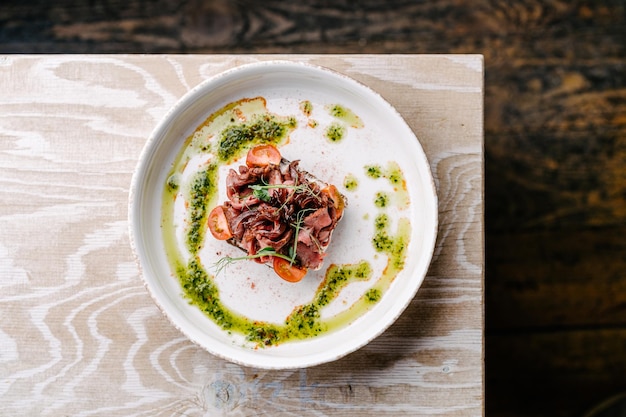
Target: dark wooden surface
[{"x": 555, "y": 150}]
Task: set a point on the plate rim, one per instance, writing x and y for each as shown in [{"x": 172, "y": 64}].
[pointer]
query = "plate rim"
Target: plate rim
[{"x": 144, "y": 162}]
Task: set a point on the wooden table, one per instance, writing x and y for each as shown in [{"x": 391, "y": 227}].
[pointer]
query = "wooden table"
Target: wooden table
[{"x": 81, "y": 336}]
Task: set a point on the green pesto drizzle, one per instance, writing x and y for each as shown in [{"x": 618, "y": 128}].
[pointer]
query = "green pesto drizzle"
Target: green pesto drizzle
[
  {"x": 232, "y": 130},
  {"x": 381, "y": 199},
  {"x": 373, "y": 171},
  {"x": 394, "y": 245},
  {"x": 202, "y": 192},
  {"x": 173, "y": 182},
  {"x": 373, "y": 295},
  {"x": 337, "y": 277},
  {"x": 304, "y": 321},
  {"x": 238, "y": 138},
  {"x": 201, "y": 290},
  {"x": 394, "y": 175},
  {"x": 345, "y": 115},
  {"x": 306, "y": 107},
  {"x": 350, "y": 182},
  {"x": 335, "y": 132}
]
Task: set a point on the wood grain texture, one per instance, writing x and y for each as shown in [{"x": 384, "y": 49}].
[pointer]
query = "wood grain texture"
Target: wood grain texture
[
  {"x": 79, "y": 334},
  {"x": 555, "y": 137}
]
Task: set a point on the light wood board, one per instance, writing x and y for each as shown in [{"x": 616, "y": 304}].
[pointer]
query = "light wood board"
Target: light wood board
[{"x": 79, "y": 334}]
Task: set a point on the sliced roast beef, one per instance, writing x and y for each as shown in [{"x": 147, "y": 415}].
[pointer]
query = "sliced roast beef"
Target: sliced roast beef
[{"x": 283, "y": 208}]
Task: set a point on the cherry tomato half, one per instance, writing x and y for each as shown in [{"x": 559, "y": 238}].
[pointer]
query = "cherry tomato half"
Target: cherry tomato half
[
  {"x": 337, "y": 198},
  {"x": 263, "y": 155},
  {"x": 287, "y": 271},
  {"x": 218, "y": 225}
]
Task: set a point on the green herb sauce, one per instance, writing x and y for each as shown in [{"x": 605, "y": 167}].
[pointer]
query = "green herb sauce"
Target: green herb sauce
[
  {"x": 304, "y": 321},
  {"x": 335, "y": 132},
  {"x": 201, "y": 290},
  {"x": 173, "y": 181},
  {"x": 381, "y": 199},
  {"x": 202, "y": 194},
  {"x": 394, "y": 175},
  {"x": 345, "y": 115},
  {"x": 350, "y": 182},
  {"x": 238, "y": 138},
  {"x": 306, "y": 107},
  {"x": 373, "y": 171},
  {"x": 373, "y": 295},
  {"x": 232, "y": 130},
  {"x": 394, "y": 244}
]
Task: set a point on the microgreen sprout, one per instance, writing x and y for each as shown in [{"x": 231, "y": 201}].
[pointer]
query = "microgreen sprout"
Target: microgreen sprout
[
  {"x": 261, "y": 191},
  {"x": 227, "y": 260}
]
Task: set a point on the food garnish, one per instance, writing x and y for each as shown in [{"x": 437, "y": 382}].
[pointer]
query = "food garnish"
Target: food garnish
[{"x": 277, "y": 213}]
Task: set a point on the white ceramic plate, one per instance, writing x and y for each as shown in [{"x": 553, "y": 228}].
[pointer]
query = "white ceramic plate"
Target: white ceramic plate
[{"x": 254, "y": 290}]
